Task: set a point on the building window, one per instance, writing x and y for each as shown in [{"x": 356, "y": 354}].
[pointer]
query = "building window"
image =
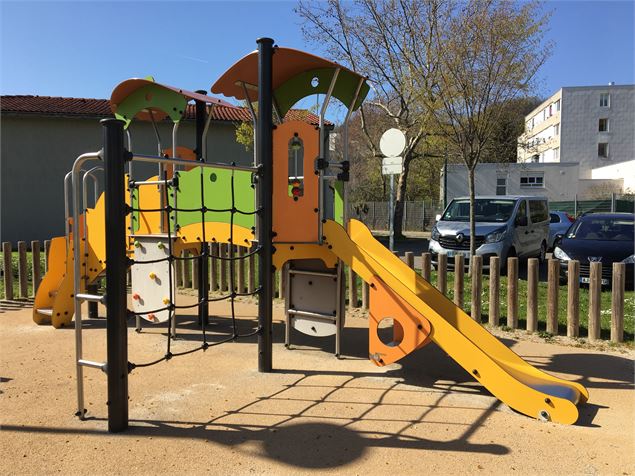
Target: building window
[
  {"x": 603, "y": 150},
  {"x": 556, "y": 129},
  {"x": 603, "y": 125},
  {"x": 558, "y": 105},
  {"x": 501, "y": 185},
  {"x": 532, "y": 180},
  {"x": 556, "y": 154},
  {"x": 605, "y": 100}
]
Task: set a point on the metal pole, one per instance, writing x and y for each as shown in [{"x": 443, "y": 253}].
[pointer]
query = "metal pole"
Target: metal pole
[
  {"x": 264, "y": 153},
  {"x": 116, "y": 306},
  {"x": 391, "y": 218},
  {"x": 203, "y": 261},
  {"x": 445, "y": 178}
]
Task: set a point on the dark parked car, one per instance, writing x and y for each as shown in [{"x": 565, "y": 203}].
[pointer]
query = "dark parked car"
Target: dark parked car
[
  {"x": 599, "y": 237},
  {"x": 559, "y": 223}
]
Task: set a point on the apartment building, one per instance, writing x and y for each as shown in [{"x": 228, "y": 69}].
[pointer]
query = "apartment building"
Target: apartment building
[{"x": 593, "y": 126}]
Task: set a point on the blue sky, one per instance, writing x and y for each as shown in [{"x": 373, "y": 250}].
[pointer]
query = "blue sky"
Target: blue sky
[{"x": 84, "y": 48}]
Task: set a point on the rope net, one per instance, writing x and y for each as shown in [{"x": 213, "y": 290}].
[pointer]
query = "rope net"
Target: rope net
[{"x": 170, "y": 187}]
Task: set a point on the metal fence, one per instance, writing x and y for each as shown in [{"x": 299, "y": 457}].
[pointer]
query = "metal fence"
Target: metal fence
[
  {"x": 417, "y": 216},
  {"x": 614, "y": 203}
]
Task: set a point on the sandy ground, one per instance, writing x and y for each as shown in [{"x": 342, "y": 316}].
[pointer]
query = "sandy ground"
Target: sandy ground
[{"x": 214, "y": 413}]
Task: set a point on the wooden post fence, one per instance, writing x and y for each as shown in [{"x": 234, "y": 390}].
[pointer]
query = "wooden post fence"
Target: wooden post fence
[
  {"x": 553, "y": 281},
  {"x": 410, "y": 259},
  {"x": 240, "y": 272},
  {"x": 477, "y": 286},
  {"x": 36, "y": 271},
  {"x": 47, "y": 248},
  {"x": 251, "y": 279},
  {"x": 213, "y": 267},
  {"x": 365, "y": 295},
  {"x": 426, "y": 265},
  {"x": 23, "y": 280},
  {"x": 532, "y": 294},
  {"x": 223, "y": 253},
  {"x": 494, "y": 291},
  {"x": 7, "y": 269},
  {"x": 512, "y": 292},
  {"x": 617, "y": 302},
  {"x": 573, "y": 298},
  {"x": 459, "y": 278},
  {"x": 352, "y": 288},
  {"x": 442, "y": 273},
  {"x": 595, "y": 290}
]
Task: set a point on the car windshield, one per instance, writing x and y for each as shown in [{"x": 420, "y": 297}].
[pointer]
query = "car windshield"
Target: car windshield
[
  {"x": 486, "y": 210},
  {"x": 604, "y": 229}
]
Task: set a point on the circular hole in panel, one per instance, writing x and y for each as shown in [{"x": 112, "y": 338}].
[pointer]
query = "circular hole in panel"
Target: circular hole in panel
[
  {"x": 315, "y": 82},
  {"x": 386, "y": 332},
  {"x": 212, "y": 177}
]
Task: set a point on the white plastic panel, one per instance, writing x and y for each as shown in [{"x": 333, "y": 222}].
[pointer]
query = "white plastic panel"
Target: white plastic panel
[{"x": 150, "y": 282}]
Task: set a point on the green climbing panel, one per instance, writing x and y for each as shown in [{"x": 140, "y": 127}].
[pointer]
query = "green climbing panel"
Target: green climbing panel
[{"x": 217, "y": 190}]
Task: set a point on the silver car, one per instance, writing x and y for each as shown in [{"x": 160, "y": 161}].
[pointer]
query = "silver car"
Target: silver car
[
  {"x": 559, "y": 223},
  {"x": 505, "y": 226}
]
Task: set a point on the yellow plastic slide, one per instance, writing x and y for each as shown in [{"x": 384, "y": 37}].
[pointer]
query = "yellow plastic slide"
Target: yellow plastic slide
[{"x": 507, "y": 376}]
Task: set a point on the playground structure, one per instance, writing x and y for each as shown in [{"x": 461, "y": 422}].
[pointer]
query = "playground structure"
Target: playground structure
[{"x": 288, "y": 208}]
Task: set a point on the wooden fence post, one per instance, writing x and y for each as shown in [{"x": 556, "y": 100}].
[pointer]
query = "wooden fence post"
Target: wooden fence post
[
  {"x": 251, "y": 279},
  {"x": 213, "y": 267},
  {"x": 553, "y": 285},
  {"x": 352, "y": 288},
  {"x": 512, "y": 292},
  {"x": 223, "y": 250},
  {"x": 23, "y": 278},
  {"x": 240, "y": 274},
  {"x": 617, "y": 302},
  {"x": 426, "y": 265},
  {"x": 47, "y": 248},
  {"x": 494, "y": 291},
  {"x": 573, "y": 298},
  {"x": 410, "y": 259},
  {"x": 477, "y": 286},
  {"x": 365, "y": 295},
  {"x": 442, "y": 273},
  {"x": 532, "y": 294},
  {"x": 595, "y": 290},
  {"x": 187, "y": 270},
  {"x": 282, "y": 275},
  {"x": 194, "y": 265},
  {"x": 459, "y": 278},
  {"x": 7, "y": 268},
  {"x": 179, "y": 263},
  {"x": 36, "y": 271}
]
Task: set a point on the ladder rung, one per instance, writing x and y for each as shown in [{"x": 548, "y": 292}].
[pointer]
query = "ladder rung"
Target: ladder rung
[
  {"x": 314, "y": 315},
  {"x": 95, "y": 365},
  {"x": 306, "y": 272},
  {"x": 91, "y": 297}
]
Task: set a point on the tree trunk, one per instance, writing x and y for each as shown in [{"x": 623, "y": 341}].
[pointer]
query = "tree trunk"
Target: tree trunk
[
  {"x": 470, "y": 174},
  {"x": 400, "y": 198}
]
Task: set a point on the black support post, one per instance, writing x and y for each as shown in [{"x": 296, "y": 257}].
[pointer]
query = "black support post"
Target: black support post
[
  {"x": 114, "y": 156},
  {"x": 264, "y": 160},
  {"x": 203, "y": 261}
]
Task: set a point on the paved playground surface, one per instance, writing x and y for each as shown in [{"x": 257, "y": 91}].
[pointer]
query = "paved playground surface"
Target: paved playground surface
[{"x": 213, "y": 412}]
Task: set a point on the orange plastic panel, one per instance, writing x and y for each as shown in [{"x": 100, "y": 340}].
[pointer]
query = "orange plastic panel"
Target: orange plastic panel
[
  {"x": 411, "y": 329},
  {"x": 295, "y": 221},
  {"x": 182, "y": 153}
]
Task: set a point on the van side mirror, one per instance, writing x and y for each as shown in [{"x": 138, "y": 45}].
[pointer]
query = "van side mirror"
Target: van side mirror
[
  {"x": 438, "y": 217},
  {"x": 521, "y": 221},
  {"x": 557, "y": 239}
]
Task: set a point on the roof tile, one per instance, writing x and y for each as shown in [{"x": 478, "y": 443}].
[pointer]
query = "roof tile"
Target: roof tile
[{"x": 85, "y": 107}]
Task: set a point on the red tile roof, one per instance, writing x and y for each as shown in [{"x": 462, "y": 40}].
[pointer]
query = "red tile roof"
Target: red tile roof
[{"x": 82, "y": 107}]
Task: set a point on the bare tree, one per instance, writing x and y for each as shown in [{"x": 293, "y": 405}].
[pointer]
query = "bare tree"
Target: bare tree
[
  {"x": 489, "y": 52},
  {"x": 389, "y": 42}
]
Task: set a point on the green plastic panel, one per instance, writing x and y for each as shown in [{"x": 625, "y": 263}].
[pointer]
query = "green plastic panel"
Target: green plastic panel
[
  {"x": 338, "y": 205},
  {"x": 217, "y": 191},
  {"x": 152, "y": 97},
  {"x": 302, "y": 85}
]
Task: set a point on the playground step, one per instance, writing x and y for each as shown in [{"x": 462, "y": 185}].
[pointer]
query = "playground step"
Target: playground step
[
  {"x": 308, "y": 272},
  {"x": 47, "y": 311}
]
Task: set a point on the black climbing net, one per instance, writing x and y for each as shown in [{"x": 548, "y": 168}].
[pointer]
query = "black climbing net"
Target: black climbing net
[{"x": 171, "y": 185}]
